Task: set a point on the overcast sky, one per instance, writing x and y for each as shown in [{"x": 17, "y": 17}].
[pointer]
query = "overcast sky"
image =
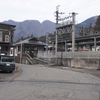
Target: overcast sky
[{"x": 20, "y": 10}]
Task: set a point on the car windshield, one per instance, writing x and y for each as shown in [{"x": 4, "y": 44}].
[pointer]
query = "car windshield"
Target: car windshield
[{"x": 7, "y": 59}]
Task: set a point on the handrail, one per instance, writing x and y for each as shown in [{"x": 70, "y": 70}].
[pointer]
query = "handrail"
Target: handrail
[
  {"x": 30, "y": 60},
  {"x": 41, "y": 60},
  {"x": 28, "y": 55}
]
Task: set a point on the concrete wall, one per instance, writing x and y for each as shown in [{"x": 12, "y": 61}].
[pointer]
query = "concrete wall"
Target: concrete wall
[{"x": 79, "y": 62}]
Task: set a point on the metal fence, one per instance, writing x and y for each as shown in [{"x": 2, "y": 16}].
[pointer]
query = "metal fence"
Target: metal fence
[
  {"x": 81, "y": 54},
  {"x": 47, "y": 55}
]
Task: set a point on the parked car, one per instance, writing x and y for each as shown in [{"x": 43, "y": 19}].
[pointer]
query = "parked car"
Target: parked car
[{"x": 7, "y": 63}]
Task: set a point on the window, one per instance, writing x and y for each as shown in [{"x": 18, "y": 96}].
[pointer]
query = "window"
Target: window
[
  {"x": 1, "y": 35},
  {"x": 7, "y": 59},
  {"x": 11, "y": 52},
  {"x": 7, "y": 38}
]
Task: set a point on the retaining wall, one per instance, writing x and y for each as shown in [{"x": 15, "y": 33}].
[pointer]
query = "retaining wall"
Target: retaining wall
[
  {"x": 68, "y": 62},
  {"x": 79, "y": 62}
]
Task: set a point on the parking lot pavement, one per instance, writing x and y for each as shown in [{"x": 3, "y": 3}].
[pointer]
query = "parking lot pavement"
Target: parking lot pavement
[{"x": 4, "y": 75}]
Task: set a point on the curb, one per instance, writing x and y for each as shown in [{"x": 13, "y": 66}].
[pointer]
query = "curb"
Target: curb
[
  {"x": 71, "y": 69},
  {"x": 82, "y": 71},
  {"x": 85, "y": 68}
]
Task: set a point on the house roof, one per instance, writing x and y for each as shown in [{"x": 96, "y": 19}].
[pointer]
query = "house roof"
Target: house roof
[
  {"x": 7, "y": 24},
  {"x": 32, "y": 41},
  {"x": 8, "y": 45}
]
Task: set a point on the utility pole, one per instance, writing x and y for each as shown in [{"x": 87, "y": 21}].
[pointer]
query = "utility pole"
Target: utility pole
[
  {"x": 57, "y": 20},
  {"x": 56, "y": 41},
  {"x": 95, "y": 43}
]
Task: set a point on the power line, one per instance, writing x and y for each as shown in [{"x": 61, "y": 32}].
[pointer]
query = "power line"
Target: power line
[
  {"x": 81, "y": 5},
  {"x": 57, "y": 14}
]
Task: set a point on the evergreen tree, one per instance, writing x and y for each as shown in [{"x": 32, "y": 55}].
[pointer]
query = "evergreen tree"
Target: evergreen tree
[
  {"x": 90, "y": 26},
  {"x": 97, "y": 24}
]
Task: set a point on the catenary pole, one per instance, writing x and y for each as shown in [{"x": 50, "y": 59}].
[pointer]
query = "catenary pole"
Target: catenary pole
[
  {"x": 56, "y": 41},
  {"x": 73, "y": 31}
]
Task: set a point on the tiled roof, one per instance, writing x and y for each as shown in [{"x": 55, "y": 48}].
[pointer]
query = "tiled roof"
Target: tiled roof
[{"x": 28, "y": 41}]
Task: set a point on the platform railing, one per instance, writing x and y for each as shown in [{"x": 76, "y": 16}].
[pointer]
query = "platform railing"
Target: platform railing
[
  {"x": 78, "y": 54},
  {"x": 81, "y": 54}
]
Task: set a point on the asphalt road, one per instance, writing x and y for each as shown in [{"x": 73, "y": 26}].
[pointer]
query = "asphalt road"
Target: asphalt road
[
  {"x": 36, "y": 82},
  {"x": 4, "y": 75},
  {"x": 95, "y": 73}
]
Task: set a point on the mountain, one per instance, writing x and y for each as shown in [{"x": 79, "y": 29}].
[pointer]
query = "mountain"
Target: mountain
[
  {"x": 37, "y": 29},
  {"x": 47, "y": 27},
  {"x": 31, "y": 27},
  {"x": 87, "y": 22}
]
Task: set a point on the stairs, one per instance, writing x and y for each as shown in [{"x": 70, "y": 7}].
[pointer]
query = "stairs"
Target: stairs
[{"x": 44, "y": 61}]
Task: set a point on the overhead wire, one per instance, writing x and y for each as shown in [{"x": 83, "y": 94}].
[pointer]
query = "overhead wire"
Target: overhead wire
[{"x": 80, "y": 5}]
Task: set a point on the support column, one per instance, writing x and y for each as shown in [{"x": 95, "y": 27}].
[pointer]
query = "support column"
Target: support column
[
  {"x": 90, "y": 47},
  {"x": 73, "y": 32},
  {"x": 53, "y": 47},
  {"x": 47, "y": 43},
  {"x": 77, "y": 46},
  {"x": 84, "y": 48},
  {"x": 21, "y": 52},
  {"x": 65, "y": 46},
  {"x": 95, "y": 43},
  {"x": 56, "y": 43}
]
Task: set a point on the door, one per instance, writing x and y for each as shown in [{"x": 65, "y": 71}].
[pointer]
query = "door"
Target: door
[{"x": 11, "y": 52}]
